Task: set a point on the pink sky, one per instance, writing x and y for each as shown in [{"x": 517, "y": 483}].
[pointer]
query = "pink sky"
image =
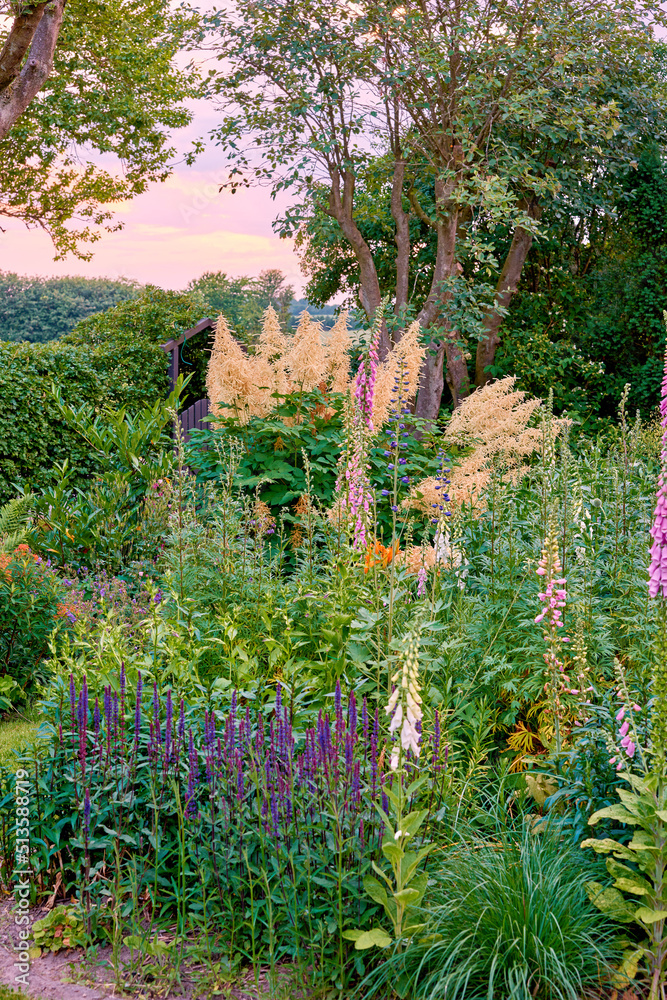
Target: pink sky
[{"x": 173, "y": 232}]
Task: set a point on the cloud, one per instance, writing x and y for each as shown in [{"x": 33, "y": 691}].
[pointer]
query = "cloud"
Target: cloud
[{"x": 172, "y": 233}]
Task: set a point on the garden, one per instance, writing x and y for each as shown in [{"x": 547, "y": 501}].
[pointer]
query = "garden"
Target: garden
[{"x": 340, "y": 700}]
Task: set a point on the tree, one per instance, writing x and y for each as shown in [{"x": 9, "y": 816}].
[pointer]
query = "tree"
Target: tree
[
  {"x": 243, "y": 300},
  {"x": 495, "y": 109},
  {"x": 77, "y": 80},
  {"x": 43, "y": 309}
]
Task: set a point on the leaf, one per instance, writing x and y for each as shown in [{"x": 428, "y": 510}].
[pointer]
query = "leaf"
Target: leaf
[
  {"x": 649, "y": 916},
  {"x": 392, "y": 851},
  {"x": 375, "y": 938},
  {"x": 413, "y": 821},
  {"x": 627, "y": 879},
  {"x": 406, "y": 896},
  {"x": 381, "y": 873},
  {"x": 350, "y": 935},
  {"x": 376, "y": 891},
  {"x": 611, "y": 902},
  {"x": 607, "y": 845},
  {"x": 629, "y": 966},
  {"x": 617, "y": 811}
]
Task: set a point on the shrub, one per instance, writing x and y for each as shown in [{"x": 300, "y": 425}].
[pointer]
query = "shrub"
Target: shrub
[
  {"x": 32, "y": 605},
  {"x": 32, "y": 435}
]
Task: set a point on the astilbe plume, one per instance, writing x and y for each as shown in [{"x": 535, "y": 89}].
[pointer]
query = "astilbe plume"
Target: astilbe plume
[
  {"x": 338, "y": 354},
  {"x": 307, "y": 355},
  {"x": 495, "y": 420},
  {"x": 251, "y": 384},
  {"x": 406, "y": 359}
]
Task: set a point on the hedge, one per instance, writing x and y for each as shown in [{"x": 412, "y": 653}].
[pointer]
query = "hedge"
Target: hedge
[{"x": 32, "y": 436}]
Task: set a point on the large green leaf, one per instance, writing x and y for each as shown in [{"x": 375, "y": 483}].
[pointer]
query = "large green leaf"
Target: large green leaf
[
  {"x": 376, "y": 891},
  {"x": 617, "y": 812},
  {"x": 649, "y": 916},
  {"x": 611, "y": 902},
  {"x": 375, "y": 938}
]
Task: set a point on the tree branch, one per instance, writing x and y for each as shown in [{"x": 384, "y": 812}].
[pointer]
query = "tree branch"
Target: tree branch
[
  {"x": 37, "y": 67},
  {"x": 18, "y": 42}
]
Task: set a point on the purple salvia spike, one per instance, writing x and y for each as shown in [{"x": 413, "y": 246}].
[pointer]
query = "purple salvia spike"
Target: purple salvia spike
[
  {"x": 96, "y": 719},
  {"x": 123, "y": 681},
  {"x": 352, "y": 716},
  {"x": 338, "y": 703},
  {"x": 362, "y": 842},
  {"x": 72, "y": 701},
  {"x": 248, "y": 728},
  {"x": 84, "y": 696},
  {"x": 107, "y": 708},
  {"x": 349, "y": 752},
  {"x": 168, "y": 728},
  {"x": 239, "y": 776},
  {"x": 278, "y": 698},
  {"x": 274, "y": 813},
  {"x": 181, "y": 722},
  {"x": 137, "y": 713},
  {"x": 356, "y": 786},
  {"x": 364, "y": 720}
]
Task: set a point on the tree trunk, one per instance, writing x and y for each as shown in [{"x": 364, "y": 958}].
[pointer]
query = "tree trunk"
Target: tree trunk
[
  {"x": 431, "y": 380},
  {"x": 341, "y": 209},
  {"x": 39, "y": 30},
  {"x": 402, "y": 236},
  {"x": 508, "y": 283},
  {"x": 431, "y": 383}
]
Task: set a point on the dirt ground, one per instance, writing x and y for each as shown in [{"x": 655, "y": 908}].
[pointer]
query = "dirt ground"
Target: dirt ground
[{"x": 72, "y": 974}]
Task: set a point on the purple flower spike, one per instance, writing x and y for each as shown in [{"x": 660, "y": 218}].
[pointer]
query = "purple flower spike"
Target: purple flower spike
[
  {"x": 137, "y": 712},
  {"x": 86, "y": 814},
  {"x": 72, "y": 700},
  {"x": 181, "y": 722},
  {"x": 352, "y": 716},
  {"x": 168, "y": 728}
]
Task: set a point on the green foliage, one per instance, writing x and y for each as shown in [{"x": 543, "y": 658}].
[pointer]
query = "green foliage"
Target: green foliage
[
  {"x": 148, "y": 320},
  {"x": 32, "y": 436},
  {"x": 296, "y": 449},
  {"x": 14, "y": 518},
  {"x": 123, "y": 106},
  {"x": 510, "y": 918},
  {"x": 402, "y": 895},
  {"x": 42, "y": 309},
  {"x": 32, "y": 608},
  {"x": 243, "y": 300},
  {"x": 120, "y": 518},
  {"x": 63, "y": 927},
  {"x": 638, "y": 868}
]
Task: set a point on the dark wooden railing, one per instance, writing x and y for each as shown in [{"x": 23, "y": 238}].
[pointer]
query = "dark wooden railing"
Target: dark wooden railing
[{"x": 192, "y": 418}]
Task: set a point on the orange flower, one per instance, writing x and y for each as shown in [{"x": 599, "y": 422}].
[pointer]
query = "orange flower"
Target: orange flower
[
  {"x": 379, "y": 555},
  {"x": 4, "y": 563}
]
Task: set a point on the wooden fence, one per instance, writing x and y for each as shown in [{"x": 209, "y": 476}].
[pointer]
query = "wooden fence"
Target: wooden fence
[{"x": 192, "y": 418}]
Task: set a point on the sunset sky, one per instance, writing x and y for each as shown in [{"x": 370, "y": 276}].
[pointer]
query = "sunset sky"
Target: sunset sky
[{"x": 173, "y": 232}]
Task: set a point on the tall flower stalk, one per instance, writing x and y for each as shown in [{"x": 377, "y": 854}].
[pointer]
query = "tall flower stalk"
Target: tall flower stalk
[{"x": 553, "y": 599}]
